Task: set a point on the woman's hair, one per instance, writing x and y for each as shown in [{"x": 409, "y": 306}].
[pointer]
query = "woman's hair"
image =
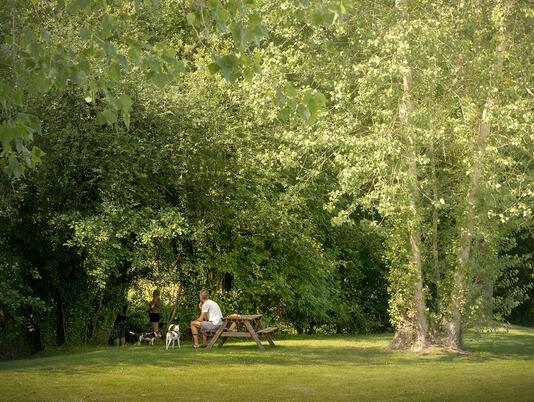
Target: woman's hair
[{"x": 204, "y": 294}]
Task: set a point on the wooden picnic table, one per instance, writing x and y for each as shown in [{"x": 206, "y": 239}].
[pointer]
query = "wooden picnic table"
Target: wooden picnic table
[{"x": 244, "y": 328}]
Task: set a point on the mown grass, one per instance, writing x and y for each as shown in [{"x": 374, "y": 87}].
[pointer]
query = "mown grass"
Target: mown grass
[{"x": 307, "y": 368}]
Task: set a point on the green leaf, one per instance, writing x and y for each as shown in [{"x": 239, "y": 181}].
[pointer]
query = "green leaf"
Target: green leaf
[
  {"x": 39, "y": 83},
  {"x": 80, "y": 77},
  {"x": 109, "y": 48},
  {"x": 17, "y": 98},
  {"x": 284, "y": 114},
  {"x": 228, "y": 65},
  {"x": 248, "y": 73},
  {"x": 109, "y": 116},
  {"x": 85, "y": 33},
  {"x": 317, "y": 18},
  {"x": 126, "y": 119},
  {"x": 214, "y": 68},
  {"x": 125, "y": 102},
  {"x": 14, "y": 167},
  {"x": 160, "y": 79},
  {"x": 78, "y": 5},
  {"x": 239, "y": 34},
  {"x": 114, "y": 72},
  {"x": 6, "y": 135},
  {"x": 179, "y": 66},
  {"x": 291, "y": 91},
  {"x": 133, "y": 54},
  {"x": 108, "y": 26},
  {"x": 191, "y": 18},
  {"x": 123, "y": 62},
  {"x": 304, "y": 112},
  {"x": 45, "y": 35},
  {"x": 281, "y": 99}
]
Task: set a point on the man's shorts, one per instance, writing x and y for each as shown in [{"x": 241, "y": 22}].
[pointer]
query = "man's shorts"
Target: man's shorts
[{"x": 208, "y": 326}]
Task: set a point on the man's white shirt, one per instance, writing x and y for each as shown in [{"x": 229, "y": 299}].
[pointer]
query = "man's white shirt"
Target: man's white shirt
[{"x": 212, "y": 312}]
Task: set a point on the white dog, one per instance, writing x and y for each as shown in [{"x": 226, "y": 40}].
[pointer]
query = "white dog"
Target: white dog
[{"x": 173, "y": 335}]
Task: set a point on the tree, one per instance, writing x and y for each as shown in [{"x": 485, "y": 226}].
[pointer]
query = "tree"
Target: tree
[{"x": 209, "y": 143}]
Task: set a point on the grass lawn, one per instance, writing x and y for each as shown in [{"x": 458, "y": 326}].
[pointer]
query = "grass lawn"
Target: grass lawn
[{"x": 320, "y": 368}]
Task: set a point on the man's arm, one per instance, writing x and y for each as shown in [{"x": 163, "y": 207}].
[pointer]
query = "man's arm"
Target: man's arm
[{"x": 201, "y": 317}]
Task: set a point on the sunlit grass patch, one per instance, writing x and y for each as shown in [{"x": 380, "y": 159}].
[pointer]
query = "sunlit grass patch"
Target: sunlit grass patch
[{"x": 298, "y": 368}]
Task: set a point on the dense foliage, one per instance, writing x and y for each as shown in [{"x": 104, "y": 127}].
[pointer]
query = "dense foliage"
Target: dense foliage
[{"x": 335, "y": 165}]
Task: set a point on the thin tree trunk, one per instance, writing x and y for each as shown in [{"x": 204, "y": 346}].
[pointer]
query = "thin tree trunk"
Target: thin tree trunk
[
  {"x": 94, "y": 321},
  {"x": 453, "y": 320},
  {"x": 60, "y": 320},
  {"x": 436, "y": 271},
  {"x": 14, "y": 38},
  {"x": 435, "y": 219},
  {"x": 412, "y": 332},
  {"x": 176, "y": 298}
]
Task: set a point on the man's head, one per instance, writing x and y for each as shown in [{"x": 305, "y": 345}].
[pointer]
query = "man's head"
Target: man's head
[{"x": 204, "y": 295}]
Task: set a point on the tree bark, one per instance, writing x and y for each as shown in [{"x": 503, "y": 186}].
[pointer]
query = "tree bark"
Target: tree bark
[
  {"x": 412, "y": 332},
  {"x": 435, "y": 219},
  {"x": 453, "y": 320}
]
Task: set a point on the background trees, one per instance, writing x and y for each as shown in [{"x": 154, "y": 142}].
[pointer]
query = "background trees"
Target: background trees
[{"x": 315, "y": 162}]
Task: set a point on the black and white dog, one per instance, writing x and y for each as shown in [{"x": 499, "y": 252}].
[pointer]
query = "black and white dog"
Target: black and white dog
[
  {"x": 149, "y": 337},
  {"x": 173, "y": 335}
]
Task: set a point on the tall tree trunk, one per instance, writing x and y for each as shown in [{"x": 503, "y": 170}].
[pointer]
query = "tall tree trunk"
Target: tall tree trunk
[
  {"x": 435, "y": 274},
  {"x": 412, "y": 331},
  {"x": 94, "y": 321},
  {"x": 435, "y": 220},
  {"x": 453, "y": 320}
]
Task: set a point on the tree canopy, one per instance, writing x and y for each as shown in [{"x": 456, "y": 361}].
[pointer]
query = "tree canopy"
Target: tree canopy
[{"x": 342, "y": 166}]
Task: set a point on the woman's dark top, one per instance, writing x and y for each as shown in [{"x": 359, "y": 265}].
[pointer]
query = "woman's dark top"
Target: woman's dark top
[{"x": 120, "y": 317}]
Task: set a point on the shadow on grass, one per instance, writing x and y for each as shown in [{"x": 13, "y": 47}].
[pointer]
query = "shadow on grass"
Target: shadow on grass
[
  {"x": 503, "y": 345},
  {"x": 343, "y": 351}
]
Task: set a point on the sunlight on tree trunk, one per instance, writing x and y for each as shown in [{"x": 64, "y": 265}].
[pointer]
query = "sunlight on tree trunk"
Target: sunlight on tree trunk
[
  {"x": 453, "y": 320},
  {"x": 413, "y": 330}
]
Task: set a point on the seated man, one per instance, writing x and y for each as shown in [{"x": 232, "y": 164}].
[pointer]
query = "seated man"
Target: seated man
[{"x": 209, "y": 320}]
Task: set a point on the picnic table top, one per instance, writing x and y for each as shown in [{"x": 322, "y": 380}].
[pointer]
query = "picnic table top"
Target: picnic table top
[{"x": 244, "y": 317}]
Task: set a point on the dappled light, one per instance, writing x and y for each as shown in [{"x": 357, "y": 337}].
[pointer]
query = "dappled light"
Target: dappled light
[
  {"x": 315, "y": 362},
  {"x": 266, "y": 200}
]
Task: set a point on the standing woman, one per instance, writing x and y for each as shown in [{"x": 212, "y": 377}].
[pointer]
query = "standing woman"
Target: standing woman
[
  {"x": 153, "y": 311},
  {"x": 119, "y": 327}
]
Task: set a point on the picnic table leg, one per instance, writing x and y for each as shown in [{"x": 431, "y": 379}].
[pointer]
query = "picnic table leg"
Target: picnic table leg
[
  {"x": 221, "y": 342},
  {"x": 217, "y": 335},
  {"x": 269, "y": 339},
  {"x": 254, "y": 335}
]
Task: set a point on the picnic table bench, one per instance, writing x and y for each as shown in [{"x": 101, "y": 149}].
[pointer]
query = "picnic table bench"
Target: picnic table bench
[{"x": 244, "y": 328}]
